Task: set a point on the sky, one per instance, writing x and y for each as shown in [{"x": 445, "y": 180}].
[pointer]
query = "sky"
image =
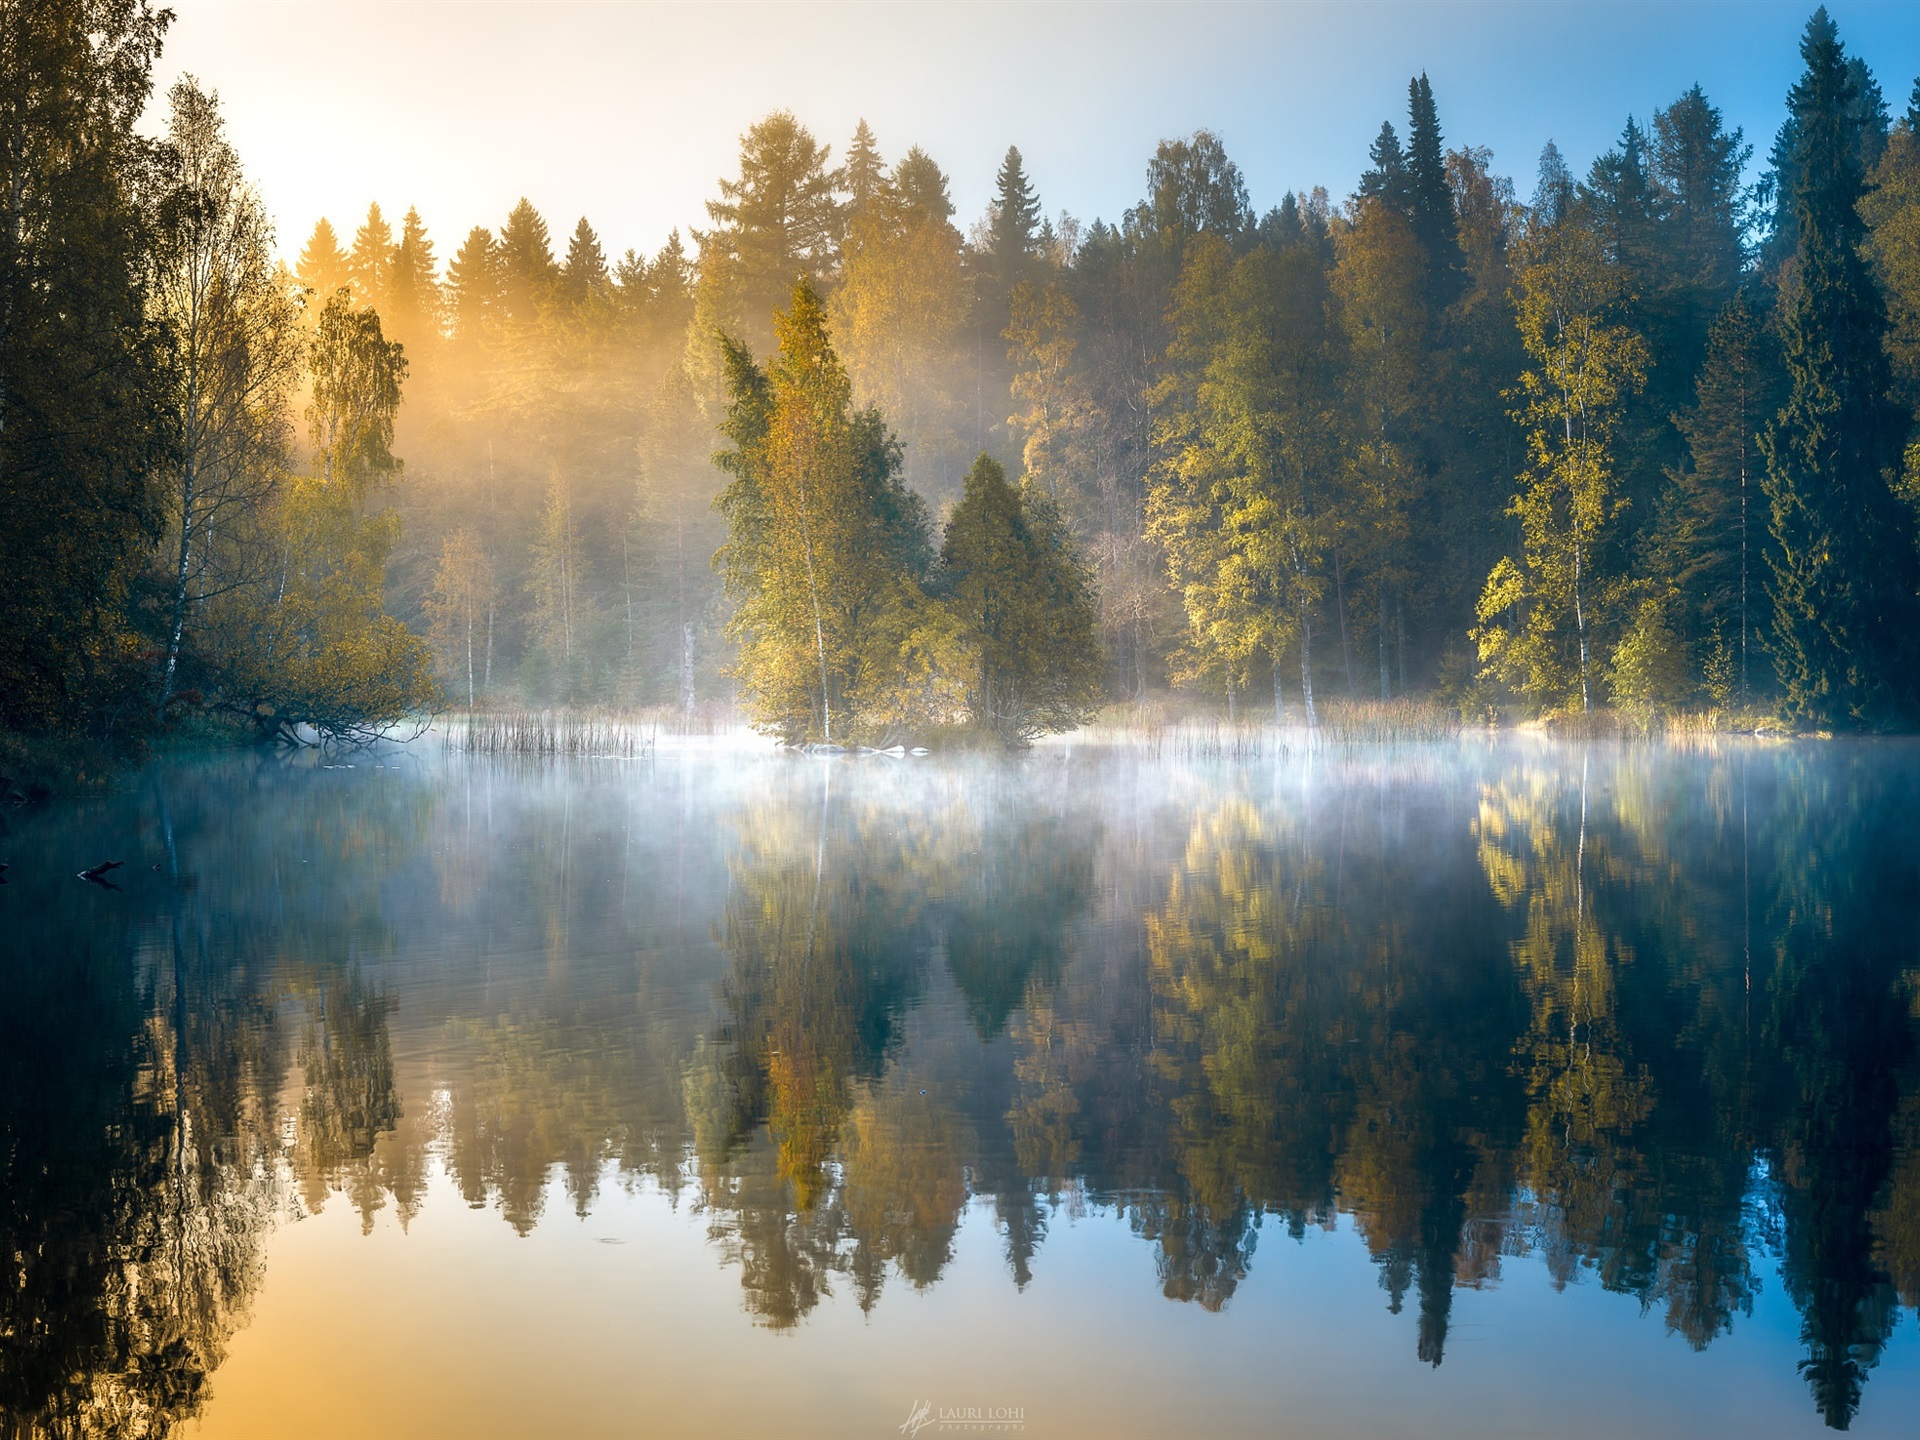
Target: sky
[{"x": 629, "y": 113}]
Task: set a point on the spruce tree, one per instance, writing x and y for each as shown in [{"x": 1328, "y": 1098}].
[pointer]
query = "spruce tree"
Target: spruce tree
[
  {"x": 921, "y": 189},
  {"x": 473, "y": 285},
  {"x": 1553, "y": 190},
  {"x": 1867, "y": 112},
  {"x": 322, "y": 266},
  {"x": 1429, "y": 198},
  {"x": 1700, "y": 241},
  {"x": 527, "y": 271},
  {"x": 863, "y": 179},
  {"x": 1707, "y": 544},
  {"x": 415, "y": 320},
  {"x": 584, "y": 272},
  {"x": 1625, "y": 206},
  {"x": 370, "y": 263},
  {"x": 1385, "y": 178},
  {"x": 1024, "y": 610},
  {"x": 1016, "y": 219},
  {"x": 1843, "y": 567}
]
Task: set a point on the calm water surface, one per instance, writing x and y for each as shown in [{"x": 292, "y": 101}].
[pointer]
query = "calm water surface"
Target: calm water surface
[{"x": 1498, "y": 1089}]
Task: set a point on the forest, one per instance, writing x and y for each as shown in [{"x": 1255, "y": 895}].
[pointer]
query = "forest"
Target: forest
[{"x": 1640, "y": 443}]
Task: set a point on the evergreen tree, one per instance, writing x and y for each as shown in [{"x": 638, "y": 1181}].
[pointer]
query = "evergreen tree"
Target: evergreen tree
[
  {"x": 1553, "y": 192},
  {"x": 1700, "y": 244},
  {"x": 776, "y": 223},
  {"x": 1385, "y": 178},
  {"x": 1867, "y": 119},
  {"x": 79, "y": 367},
  {"x": 1843, "y": 567},
  {"x": 415, "y": 306},
  {"x": 1016, "y": 216},
  {"x": 1429, "y": 198},
  {"x": 527, "y": 271},
  {"x": 920, "y": 187},
  {"x": 583, "y": 275},
  {"x": 1023, "y": 609},
  {"x": 1707, "y": 545},
  {"x": 370, "y": 262},
  {"x": 826, "y": 549},
  {"x": 474, "y": 291},
  {"x": 1698, "y": 162},
  {"x": 863, "y": 178},
  {"x": 322, "y": 267},
  {"x": 1625, "y": 206}
]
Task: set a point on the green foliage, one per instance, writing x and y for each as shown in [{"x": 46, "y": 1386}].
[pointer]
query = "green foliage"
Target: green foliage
[
  {"x": 1541, "y": 616},
  {"x": 1650, "y": 677},
  {"x": 82, "y": 431},
  {"x": 826, "y": 550},
  {"x": 1022, "y": 607},
  {"x": 1844, "y": 571},
  {"x": 311, "y": 644},
  {"x": 1708, "y": 540}
]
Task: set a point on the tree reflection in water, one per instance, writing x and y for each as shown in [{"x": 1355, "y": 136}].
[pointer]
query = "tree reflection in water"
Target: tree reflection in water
[{"x": 1645, "y": 1016}]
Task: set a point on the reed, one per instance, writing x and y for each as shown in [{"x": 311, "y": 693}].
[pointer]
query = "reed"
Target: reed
[{"x": 556, "y": 733}]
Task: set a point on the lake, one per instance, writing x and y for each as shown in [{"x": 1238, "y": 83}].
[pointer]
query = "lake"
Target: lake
[{"x": 1497, "y": 1088}]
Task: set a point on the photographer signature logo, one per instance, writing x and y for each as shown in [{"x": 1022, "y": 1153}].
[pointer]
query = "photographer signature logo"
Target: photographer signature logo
[{"x": 953, "y": 1419}]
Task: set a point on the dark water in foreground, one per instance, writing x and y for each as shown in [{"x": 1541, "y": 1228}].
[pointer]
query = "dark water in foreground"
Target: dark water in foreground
[{"x": 1480, "y": 1090}]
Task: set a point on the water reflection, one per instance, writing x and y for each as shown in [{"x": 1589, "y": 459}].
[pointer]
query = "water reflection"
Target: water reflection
[{"x": 1644, "y": 1017}]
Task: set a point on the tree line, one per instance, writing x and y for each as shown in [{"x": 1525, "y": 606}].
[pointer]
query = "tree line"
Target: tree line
[
  {"x": 1642, "y": 439},
  {"x": 194, "y": 455}
]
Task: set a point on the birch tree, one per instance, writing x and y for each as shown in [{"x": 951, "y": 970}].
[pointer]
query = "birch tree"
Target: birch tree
[
  {"x": 1540, "y": 613},
  {"x": 232, "y": 332}
]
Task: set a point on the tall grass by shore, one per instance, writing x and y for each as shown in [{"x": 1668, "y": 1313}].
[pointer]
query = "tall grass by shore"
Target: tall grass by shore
[{"x": 550, "y": 733}]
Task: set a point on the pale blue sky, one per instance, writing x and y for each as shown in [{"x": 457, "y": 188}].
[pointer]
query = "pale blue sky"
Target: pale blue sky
[{"x": 628, "y": 112}]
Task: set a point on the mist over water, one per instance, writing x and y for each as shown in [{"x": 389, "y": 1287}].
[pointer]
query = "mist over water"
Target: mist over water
[{"x": 736, "y": 1091}]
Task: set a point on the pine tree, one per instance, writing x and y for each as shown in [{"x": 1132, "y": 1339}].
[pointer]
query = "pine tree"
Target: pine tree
[
  {"x": 863, "y": 178},
  {"x": 79, "y": 369},
  {"x": 415, "y": 320},
  {"x": 1700, "y": 243},
  {"x": 776, "y": 223},
  {"x": 370, "y": 263},
  {"x": 527, "y": 271},
  {"x": 826, "y": 549},
  {"x": 583, "y": 274},
  {"x": 1429, "y": 198},
  {"x": 1868, "y": 120},
  {"x": 1016, "y": 217},
  {"x": 1554, "y": 190},
  {"x": 1023, "y": 607},
  {"x": 1698, "y": 162},
  {"x": 1843, "y": 567},
  {"x": 322, "y": 267},
  {"x": 921, "y": 189},
  {"x": 473, "y": 285},
  {"x": 1707, "y": 545},
  {"x": 1385, "y": 178},
  {"x": 1626, "y": 207}
]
